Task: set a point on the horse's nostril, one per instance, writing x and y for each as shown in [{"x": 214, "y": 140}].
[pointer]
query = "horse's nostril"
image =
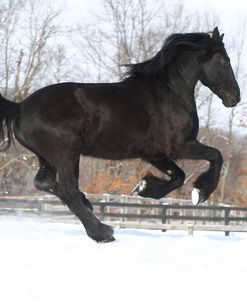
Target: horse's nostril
[{"x": 238, "y": 97}]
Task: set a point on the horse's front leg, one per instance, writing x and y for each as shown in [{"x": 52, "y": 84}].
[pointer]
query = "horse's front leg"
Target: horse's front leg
[
  {"x": 154, "y": 187},
  {"x": 207, "y": 182}
]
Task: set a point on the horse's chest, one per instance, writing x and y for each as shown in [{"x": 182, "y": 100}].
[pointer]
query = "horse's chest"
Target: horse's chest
[{"x": 171, "y": 133}]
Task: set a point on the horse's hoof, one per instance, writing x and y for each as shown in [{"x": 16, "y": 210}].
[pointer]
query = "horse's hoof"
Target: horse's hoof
[
  {"x": 197, "y": 196},
  {"x": 140, "y": 187},
  {"x": 107, "y": 236},
  {"x": 107, "y": 240},
  {"x": 103, "y": 234},
  {"x": 151, "y": 187}
]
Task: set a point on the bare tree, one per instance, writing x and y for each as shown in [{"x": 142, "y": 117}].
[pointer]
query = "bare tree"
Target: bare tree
[
  {"x": 128, "y": 31},
  {"x": 239, "y": 47},
  {"x": 25, "y": 31},
  {"x": 9, "y": 17}
]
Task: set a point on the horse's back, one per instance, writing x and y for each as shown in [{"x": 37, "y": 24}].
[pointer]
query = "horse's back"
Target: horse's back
[{"x": 101, "y": 120}]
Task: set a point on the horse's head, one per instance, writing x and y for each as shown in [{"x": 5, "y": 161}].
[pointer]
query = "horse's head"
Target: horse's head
[{"x": 217, "y": 73}]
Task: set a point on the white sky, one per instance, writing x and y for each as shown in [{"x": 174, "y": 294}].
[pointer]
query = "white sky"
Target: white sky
[
  {"x": 226, "y": 7},
  {"x": 230, "y": 11}
]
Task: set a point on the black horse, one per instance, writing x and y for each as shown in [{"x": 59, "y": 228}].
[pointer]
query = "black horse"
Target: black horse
[{"x": 150, "y": 115}]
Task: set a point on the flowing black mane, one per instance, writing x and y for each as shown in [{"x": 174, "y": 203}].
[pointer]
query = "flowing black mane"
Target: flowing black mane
[{"x": 173, "y": 46}]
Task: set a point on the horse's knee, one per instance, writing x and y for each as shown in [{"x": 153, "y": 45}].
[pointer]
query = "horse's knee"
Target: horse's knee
[
  {"x": 40, "y": 185},
  {"x": 45, "y": 179},
  {"x": 44, "y": 185}
]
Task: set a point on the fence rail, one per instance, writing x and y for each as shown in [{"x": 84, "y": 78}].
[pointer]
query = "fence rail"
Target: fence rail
[{"x": 135, "y": 212}]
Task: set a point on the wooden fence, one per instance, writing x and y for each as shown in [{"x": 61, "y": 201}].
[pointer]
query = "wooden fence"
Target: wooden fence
[{"x": 135, "y": 212}]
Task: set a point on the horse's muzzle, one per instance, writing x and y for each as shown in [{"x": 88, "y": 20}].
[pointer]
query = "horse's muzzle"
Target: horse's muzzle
[{"x": 231, "y": 101}]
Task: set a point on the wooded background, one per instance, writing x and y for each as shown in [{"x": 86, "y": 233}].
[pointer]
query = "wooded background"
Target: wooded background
[{"x": 39, "y": 48}]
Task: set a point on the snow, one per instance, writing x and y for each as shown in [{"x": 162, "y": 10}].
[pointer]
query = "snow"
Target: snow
[{"x": 50, "y": 261}]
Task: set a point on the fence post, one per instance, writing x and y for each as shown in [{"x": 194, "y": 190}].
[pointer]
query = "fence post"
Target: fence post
[
  {"x": 106, "y": 199},
  {"x": 190, "y": 229},
  {"x": 124, "y": 199},
  {"x": 227, "y": 220},
  {"x": 40, "y": 206},
  {"x": 164, "y": 213},
  {"x": 102, "y": 210}
]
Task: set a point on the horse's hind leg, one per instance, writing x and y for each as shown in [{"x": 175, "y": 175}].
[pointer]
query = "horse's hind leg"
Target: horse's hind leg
[
  {"x": 154, "y": 187},
  {"x": 45, "y": 179},
  {"x": 76, "y": 201}
]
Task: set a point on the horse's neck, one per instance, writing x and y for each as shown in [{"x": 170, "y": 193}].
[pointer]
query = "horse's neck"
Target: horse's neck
[
  {"x": 184, "y": 75},
  {"x": 179, "y": 84}
]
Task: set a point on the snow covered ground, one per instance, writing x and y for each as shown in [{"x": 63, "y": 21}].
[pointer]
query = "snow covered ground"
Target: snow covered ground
[{"x": 56, "y": 262}]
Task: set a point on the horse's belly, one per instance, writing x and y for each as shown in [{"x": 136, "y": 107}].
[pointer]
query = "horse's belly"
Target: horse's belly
[
  {"x": 112, "y": 147},
  {"x": 115, "y": 140},
  {"x": 168, "y": 146}
]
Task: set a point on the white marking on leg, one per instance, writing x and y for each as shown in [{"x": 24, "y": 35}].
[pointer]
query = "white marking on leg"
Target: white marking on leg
[
  {"x": 140, "y": 187},
  {"x": 169, "y": 172},
  {"x": 143, "y": 185},
  {"x": 195, "y": 196}
]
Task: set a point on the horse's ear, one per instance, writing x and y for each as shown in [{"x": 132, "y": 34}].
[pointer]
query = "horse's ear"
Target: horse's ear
[
  {"x": 216, "y": 34},
  {"x": 221, "y": 37}
]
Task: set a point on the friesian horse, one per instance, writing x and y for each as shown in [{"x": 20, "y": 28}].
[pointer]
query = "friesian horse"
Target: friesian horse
[{"x": 151, "y": 115}]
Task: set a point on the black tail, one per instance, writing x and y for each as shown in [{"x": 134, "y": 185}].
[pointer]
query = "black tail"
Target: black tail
[{"x": 8, "y": 112}]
